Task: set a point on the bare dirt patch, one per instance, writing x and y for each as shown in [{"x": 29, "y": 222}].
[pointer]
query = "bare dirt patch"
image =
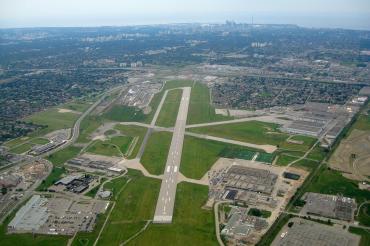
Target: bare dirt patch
[{"x": 353, "y": 156}]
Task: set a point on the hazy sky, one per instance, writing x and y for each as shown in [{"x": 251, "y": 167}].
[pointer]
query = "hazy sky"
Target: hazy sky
[{"x": 315, "y": 13}]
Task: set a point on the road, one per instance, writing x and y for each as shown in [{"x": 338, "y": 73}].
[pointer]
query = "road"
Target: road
[{"x": 166, "y": 198}]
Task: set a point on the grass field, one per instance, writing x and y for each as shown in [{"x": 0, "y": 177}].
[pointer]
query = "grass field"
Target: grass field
[
  {"x": 198, "y": 155},
  {"x": 64, "y": 155},
  {"x": 284, "y": 160},
  {"x": 133, "y": 131},
  {"x": 88, "y": 125},
  {"x": 362, "y": 123},
  {"x": 156, "y": 152},
  {"x": 116, "y": 146},
  {"x": 22, "y": 148},
  {"x": 365, "y": 235},
  {"x": 135, "y": 203},
  {"x": 191, "y": 224},
  {"x": 53, "y": 119},
  {"x": 364, "y": 215},
  {"x": 256, "y": 132},
  {"x": 317, "y": 153},
  {"x": 332, "y": 182},
  {"x": 200, "y": 108},
  {"x": 125, "y": 113},
  {"x": 39, "y": 141},
  {"x": 305, "y": 164},
  {"x": 168, "y": 114},
  {"x": 54, "y": 176}
]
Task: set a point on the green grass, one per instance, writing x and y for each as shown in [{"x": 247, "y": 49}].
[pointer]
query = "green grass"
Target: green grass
[
  {"x": 54, "y": 176},
  {"x": 64, "y": 155},
  {"x": 109, "y": 132},
  {"x": 133, "y": 131},
  {"x": 250, "y": 131},
  {"x": 191, "y": 224},
  {"x": 53, "y": 119},
  {"x": 88, "y": 125},
  {"x": 364, "y": 215},
  {"x": 307, "y": 143},
  {"x": 284, "y": 160},
  {"x": 265, "y": 157},
  {"x": 332, "y": 182},
  {"x": 134, "y": 205},
  {"x": 40, "y": 141},
  {"x": 124, "y": 113},
  {"x": 199, "y": 155},
  {"x": 365, "y": 235},
  {"x": 305, "y": 164},
  {"x": 200, "y": 108},
  {"x": 317, "y": 153},
  {"x": 168, "y": 114},
  {"x": 156, "y": 152},
  {"x": 22, "y": 148},
  {"x": 100, "y": 147},
  {"x": 77, "y": 105}
]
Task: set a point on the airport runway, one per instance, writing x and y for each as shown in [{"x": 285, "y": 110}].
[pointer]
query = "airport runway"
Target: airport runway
[{"x": 166, "y": 198}]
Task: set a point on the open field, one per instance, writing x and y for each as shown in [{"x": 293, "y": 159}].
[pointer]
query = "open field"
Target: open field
[
  {"x": 199, "y": 155},
  {"x": 353, "y": 155},
  {"x": 88, "y": 125},
  {"x": 133, "y": 131},
  {"x": 251, "y": 132},
  {"x": 305, "y": 164},
  {"x": 135, "y": 203},
  {"x": 125, "y": 113},
  {"x": 39, "y": 141},
  {"x": 168, "y": 114},
  {"x": 91, "y": 193},
  {"x": 191, "y": 225},
  {"x": 54, "y": 176},
  {"x": 22, "y": 148},
  {"x": 284, "y": 160},
  {"x": 200, "y": 108},
  {"x": 116, "y": 146},
  {"x": 64, "y": 155},
  {"x": 156, "y": 152},
  {"x": 53, "y": 119}
]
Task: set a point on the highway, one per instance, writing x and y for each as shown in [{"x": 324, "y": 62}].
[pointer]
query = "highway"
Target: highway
[{"x": 166, "y": 198}]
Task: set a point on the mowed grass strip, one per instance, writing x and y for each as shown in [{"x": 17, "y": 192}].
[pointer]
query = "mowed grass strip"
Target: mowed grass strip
[
  {"x": 137, "y": 132},
  {"x": 167, "y": 116},
  {"x": 256, "y": 132},
  {"x": 156, "y": 152},
  {"x": 200, "y": 108},
  {"x": 135, "y": 204},
  {"x": 100, "y": 147},
  {"x": 192, "y": 225}
]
